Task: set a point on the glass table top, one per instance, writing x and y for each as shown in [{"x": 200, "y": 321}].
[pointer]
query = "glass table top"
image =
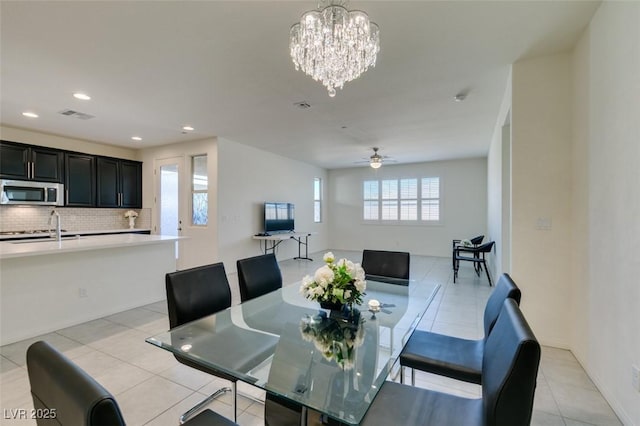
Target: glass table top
[{"x": 332, "y": 362}]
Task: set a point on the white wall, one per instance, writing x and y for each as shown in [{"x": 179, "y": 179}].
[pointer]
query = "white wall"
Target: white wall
[
  {"x": 575, "y": 155},
  {"x": 463, "y": 200},
  {"x": 541, "y": 193},
  {"x": 201, "y": 247},
  {"x": 606, "y": 214},
  {"x": 31, "y": 137},
  {"x": 248, "y": 177},
  {"x": 497, "y": 202}
]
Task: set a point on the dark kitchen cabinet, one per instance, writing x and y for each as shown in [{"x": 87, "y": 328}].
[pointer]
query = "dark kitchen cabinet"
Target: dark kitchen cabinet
[
  {"x": 80, "y": 182},
  {"x": 119, "y": 183},
  {"x": 25, "y": 162}
]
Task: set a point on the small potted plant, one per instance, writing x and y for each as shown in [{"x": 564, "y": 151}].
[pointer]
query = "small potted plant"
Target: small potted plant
[
  {"x": 336, "y": 284},
  {"x": 131, "y": 215}
]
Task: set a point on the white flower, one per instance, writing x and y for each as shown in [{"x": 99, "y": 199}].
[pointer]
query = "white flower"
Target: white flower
[
  {"x": 307, "y": 280},
  {"x": 339, "y": 282},
  {"x": 316, "y": 291},
  {"x": 359, "y": 273},
  {"x": 324, "y": 276},
  {"x": 130, "y": 213}
]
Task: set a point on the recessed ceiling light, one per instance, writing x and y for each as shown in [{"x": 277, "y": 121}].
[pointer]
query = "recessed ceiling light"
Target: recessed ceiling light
[
  {"x": 30, "y": 114},
  {"x": 188, "y": 128},
  {"x": 136, "y": 138},
  {"x": 82, "y": 96}
]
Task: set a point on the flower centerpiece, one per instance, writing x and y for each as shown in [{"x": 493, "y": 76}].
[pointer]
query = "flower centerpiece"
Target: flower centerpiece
[
  {"x": 335, "y": 284},
  {"x": 131, "y": 215},
  {"x": 466, "y": 243},
  {"x": 336, "y": 340}
]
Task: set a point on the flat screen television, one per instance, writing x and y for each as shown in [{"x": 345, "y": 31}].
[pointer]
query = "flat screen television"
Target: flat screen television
[{"x": 278, "y": 217}]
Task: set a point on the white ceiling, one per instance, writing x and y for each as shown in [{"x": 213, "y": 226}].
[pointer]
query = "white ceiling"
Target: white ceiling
[{"x": 224, "y": 68}]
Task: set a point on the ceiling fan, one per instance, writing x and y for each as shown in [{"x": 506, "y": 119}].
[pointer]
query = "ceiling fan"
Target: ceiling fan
[{"x": 376, "y": 160}]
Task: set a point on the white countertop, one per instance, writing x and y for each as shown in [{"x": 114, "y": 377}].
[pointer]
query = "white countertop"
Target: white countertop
[
  {"x": 24, "y": 248},
  {"x": 72, "y": 233}
]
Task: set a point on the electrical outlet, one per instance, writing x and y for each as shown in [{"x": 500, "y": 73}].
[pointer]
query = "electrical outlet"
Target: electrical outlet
[
  {"x": 635, "y": 378},
  {"x": 82, "y": 292}
]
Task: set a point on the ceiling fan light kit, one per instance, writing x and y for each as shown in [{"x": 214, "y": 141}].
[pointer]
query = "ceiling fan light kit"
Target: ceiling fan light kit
[
  {"x": 375, "y": 160},
  {"x": 334, "y": 45}
]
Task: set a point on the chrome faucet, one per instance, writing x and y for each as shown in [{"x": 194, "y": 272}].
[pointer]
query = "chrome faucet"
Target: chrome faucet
[{"x": 58, "y": 226}]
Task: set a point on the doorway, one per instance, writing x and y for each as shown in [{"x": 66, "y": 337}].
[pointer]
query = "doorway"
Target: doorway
[{"x": 168, "y": 206}]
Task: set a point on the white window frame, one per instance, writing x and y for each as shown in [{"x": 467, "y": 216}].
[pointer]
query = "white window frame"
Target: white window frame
[
  {"x": 317, "y": 200},
  {"x": 386, "y": 204},
  {"x": 198, "y": 191}
]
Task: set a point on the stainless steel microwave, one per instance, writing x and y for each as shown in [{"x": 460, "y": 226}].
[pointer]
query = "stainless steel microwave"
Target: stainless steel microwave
[{"x": 30, "y": 192}]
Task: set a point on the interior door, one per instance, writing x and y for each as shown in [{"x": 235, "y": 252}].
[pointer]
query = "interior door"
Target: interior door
[{"x": 168, "y": 200}]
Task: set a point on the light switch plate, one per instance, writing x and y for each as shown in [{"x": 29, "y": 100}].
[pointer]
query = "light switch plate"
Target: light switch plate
[{"x": 635, "y": 377}]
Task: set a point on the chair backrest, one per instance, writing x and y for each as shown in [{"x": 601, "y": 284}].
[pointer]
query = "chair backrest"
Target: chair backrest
[
  {"x": 196, "y": 292},
  {"x": 477, "y": 240},
  {"x": 386, "y": 266},
  {"x": 509, "y": 369},
  {"x": 505, "y": 289},
  {"x": 486, "y": 247},
  {"x": 59, "y": 384},
  {"x": 258, "y": 275}
]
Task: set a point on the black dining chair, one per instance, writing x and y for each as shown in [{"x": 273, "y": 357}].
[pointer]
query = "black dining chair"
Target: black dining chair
[
  {"x": 192, "y": 294},
  {"x": 386, "y": 266},
  {"x": 477, "y": 256},
  {"x": 455, "y": 357},
  {"x": 457, "y": 243},
  {"x": 258, "y": 275},
  {"x": 509, "y": 370},
  {"x": 64, "y": 394}
]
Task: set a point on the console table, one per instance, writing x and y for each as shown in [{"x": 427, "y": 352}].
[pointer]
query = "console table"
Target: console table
[{"x": 268, "y": 243}]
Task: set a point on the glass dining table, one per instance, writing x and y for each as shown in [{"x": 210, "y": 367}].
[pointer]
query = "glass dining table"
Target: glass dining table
[{"x": 328, "y": 361}]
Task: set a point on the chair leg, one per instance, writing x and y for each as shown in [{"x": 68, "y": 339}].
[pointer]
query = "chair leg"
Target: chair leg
[
  {"x": 487, "y": 271},
  {"x": 234, "y": 400},
  {"x": 456, "y": 265},
  {"x": 200, "y": 405}
]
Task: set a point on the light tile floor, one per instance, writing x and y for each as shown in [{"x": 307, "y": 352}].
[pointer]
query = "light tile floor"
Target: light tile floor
[{"x": 152, "y": 388}]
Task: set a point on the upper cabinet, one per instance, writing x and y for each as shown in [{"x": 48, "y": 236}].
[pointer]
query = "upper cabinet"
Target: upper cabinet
[
  {"x": 119, "y": 183},
  {"x": 80, "y": 182},
  {"x": 89, "y": 180},
  {"x": 25, "y": 162}
]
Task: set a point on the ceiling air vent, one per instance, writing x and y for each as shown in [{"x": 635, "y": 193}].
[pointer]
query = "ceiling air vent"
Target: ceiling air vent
[
  {"x": 302, "y": 105},
  {"x": 76, "y": 114}
]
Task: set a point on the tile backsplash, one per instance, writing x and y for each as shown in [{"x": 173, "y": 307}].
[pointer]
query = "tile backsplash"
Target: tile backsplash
[{"x": 27, "y": 218}]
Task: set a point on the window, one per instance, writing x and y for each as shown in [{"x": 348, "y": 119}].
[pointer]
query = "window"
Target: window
[
  {"x": 317, "y": 200},
  {"x": 371, "y": 200},
  {"x": 409, "y": 199},
  {"x": 430, "y": 199},
  {"x": 199, "y": 190}
]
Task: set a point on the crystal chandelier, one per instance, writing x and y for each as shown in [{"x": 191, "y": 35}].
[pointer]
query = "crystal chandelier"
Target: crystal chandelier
[{"x": 334, "y": 45}]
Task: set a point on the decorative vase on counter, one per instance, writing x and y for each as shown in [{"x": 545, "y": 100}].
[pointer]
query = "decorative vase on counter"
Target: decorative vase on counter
[{"x": 132, "y": 222}]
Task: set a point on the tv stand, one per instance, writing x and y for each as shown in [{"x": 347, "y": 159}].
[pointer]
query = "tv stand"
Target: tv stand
[{"x": 269, "y": 243}]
